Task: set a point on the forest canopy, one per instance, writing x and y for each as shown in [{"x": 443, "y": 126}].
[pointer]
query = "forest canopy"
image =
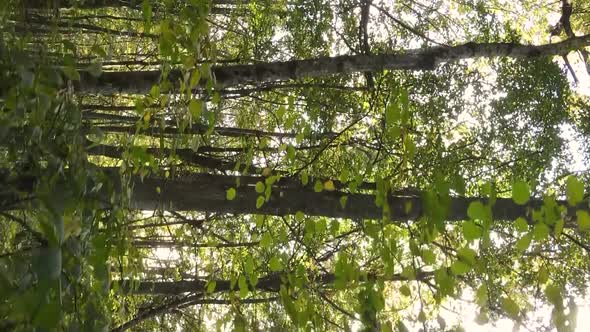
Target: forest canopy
[{"x": 254, "y": 165}]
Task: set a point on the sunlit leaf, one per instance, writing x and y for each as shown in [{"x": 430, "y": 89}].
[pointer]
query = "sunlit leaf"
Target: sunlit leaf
[
  {"x": 211, "y": 284},
  {"x": 329, "y": 185},
  {"x": 520, "y": 192},
  {"x": 574, "y": 190},
  {"x": 195, "y": 108},
  {"x": 510, "y": 307},
  {"x": 260, "y": 187},
  {"x": 460, "y": 268},
  {"x": 260, "y": 202},
  {"x": 243, "y": 286},
  {"x": 230, "y": 194},
  {"x": 471, "y": 230},
  {"x": 521, "y": 225},
  {"x": 583, "y": 219},
  {"x": 275, "y": 264}
]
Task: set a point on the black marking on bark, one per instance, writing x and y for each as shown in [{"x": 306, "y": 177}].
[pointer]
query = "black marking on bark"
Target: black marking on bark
[
  {"x": 340, "y": 66},
  {"x": 535, "y": 52},
  {"x": 292, "y": 69}
]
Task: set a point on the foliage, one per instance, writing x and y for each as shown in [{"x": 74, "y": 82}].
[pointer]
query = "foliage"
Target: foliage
[{"x": 142, "y": 190}]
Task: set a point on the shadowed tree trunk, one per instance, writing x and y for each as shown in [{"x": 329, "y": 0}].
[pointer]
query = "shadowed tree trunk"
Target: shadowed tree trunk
[
  {"x": 269, "y": 283},
  {"x": 208, "y": 193}
]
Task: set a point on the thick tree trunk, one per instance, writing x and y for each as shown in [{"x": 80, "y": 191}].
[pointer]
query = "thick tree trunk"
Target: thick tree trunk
[
  {"x": 420, "y": 59},
  {"x": 207, "y": 193}
]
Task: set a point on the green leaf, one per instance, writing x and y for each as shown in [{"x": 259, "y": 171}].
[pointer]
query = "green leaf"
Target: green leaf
[
  {"x": 553, "y": 294},
  {"x": 409, "y": 273},
  {"x": 541, "y": 232},
  {"x": 155, "y": 91},
  {"x": 266, "y": 240},
  {"x": 344, "y": 175},
  {"x": 543, "y": 275},
  {"x": 520, "y": 192},
  {"x": 304, "y": 178},
  {"x": 476, "y": 210},
  {"x": 259, "y": 202},
  {"x": 259, "y": 219},
  {"x": 211, "y": 284},
  {"x": 195, "y": 78},
  {"x": 460, "y": 268},
  {"x": 510, "y": 307},
  {"x": 98, "y": 51},
  {"x": 343, "y": 200},
  {"x": 574, "y": 190},
  {"x": 216, "y": 98},
  {"x": 291, "y": 153},
  {"x": 471, "y": 230},
  {"x": 195, "y": 107},
  {"x": 48, "y": 315},
  {"x": 147, "y": 15},
  {"x": 481, "y": 296},
  {"x": 243, "y": 286},
  {"x": 405, "y": 290},
  {"x": 318, "y": 186},
  {"x": 523, "y": 243},
  {"x": 71, "y": 73},
  {"x": 467, "y": 255},
  {"x": 428, "y": 257},
  {"x": 583, "y": 220},
  {"x": 558, "y": 229},
  {"x": 230, "y": 194},
  {"x": 422, "y": 316},
  {"x": 521, "y": 224},
  {"x": 260, "y": 187},
  {"x": 299, "y": 216},
  {"x": 249, "y": 265},
  {"x": 275, "y": 264}
]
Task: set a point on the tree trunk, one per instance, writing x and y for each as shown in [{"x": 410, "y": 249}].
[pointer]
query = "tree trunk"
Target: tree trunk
[
  {"x": 269, "y": 283},
  {"x": 208, "y": 193},
  {"x": 420, "y": 59},
  {"x": 93, "y": 4}
]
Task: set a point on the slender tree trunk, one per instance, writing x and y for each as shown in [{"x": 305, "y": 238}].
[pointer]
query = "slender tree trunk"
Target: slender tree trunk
[
  {"x": 420, "y": 59},
  {"x": 179, "y": 304},
  {"x": 269, "y": 283},
  {"x": 188, "y": 156},
  {"x": 176, "y": 244},
  {"x": 93, "y": 4}
]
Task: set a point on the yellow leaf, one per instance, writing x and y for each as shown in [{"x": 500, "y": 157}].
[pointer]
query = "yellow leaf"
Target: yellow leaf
[
  {"x": 329, "y": 185},
  {"x": 72, "y": 226},
  {"x": 266, "y": 172}
]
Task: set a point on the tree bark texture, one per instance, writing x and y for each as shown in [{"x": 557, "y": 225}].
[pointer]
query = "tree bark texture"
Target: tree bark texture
[
  {"x": 208, "y": 193},
  {"x": 419, "y": 59}
]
